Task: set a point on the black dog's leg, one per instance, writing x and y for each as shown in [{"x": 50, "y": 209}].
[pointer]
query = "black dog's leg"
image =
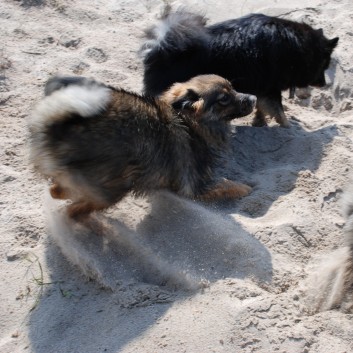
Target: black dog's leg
[
  {"x": 259, "y": 119},
  {"x": 291, "y": 92},
  {"x": 272, "y": 106}
]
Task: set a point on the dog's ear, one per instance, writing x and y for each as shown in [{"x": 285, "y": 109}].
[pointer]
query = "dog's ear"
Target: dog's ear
[
  {"x": 186, "y": 101},
  {"x": 333, "y": 42},
  {"x": 320, "y": 31}
]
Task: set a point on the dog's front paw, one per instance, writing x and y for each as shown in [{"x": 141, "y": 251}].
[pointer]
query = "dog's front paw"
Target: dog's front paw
[
  {"x": 235, "y": 190},
  {"x": 242, "y": 189},
  {"x": 283, "y": 122},
  {"x": 226, "y": 190}
]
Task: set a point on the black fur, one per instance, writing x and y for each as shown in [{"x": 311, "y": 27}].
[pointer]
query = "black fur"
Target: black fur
[{"x": 259, "y": 54}]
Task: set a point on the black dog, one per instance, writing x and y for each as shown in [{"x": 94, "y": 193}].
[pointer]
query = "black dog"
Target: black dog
[{"x": 259, "y": 54}]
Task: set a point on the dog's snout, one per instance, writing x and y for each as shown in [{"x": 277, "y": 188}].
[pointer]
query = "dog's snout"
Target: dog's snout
[
  {"x": 252, "y": 99},
  {"x": 246, "y": 102},
  {"x": 247, "y": 99}
]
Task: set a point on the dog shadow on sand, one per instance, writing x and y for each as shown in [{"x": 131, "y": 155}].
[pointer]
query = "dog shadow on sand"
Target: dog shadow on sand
[
  {"x": 140, "y": 267},
  {"x": 270, "y": 160}
]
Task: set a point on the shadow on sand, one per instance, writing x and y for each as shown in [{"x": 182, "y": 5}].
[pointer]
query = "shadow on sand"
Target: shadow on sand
[
  {"x": 174, "y": 252},
  {"x": 270, "y": 159}
]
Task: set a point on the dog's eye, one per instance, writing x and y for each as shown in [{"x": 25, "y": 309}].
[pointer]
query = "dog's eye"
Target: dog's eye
[{"x": 224, "y": 99}]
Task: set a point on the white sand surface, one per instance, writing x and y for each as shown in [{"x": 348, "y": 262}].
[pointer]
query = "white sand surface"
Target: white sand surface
[{"x": 171, "y": 275}]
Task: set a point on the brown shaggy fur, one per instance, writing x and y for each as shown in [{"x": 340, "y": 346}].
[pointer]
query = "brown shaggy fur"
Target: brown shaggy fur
[{"x": 97, "y": 143}]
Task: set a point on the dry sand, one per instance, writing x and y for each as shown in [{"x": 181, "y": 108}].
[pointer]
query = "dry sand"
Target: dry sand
[{"x": 170, "y": 275}]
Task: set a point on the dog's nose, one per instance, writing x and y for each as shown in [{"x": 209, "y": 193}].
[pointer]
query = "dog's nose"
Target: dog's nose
[
  {"x": 252, "y": 99},
  {"x": 247, "y": 100}
]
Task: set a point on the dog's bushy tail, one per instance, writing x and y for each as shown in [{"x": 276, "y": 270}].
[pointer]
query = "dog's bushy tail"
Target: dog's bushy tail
[
  {"x": 348, "y": 264},
  {"x": 342, "y": 288},
  {"x": 176, "y": 31},
  {"x": 68, "y": 97},
  {"x": 331, "y": 286}
]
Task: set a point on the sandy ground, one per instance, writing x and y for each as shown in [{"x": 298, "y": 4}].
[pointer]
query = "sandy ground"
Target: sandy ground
[{"x": 170, "y": 275}]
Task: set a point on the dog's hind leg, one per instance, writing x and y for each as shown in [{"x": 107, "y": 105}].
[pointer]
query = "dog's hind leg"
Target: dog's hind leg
[
  {"x": 82, "y": 208},
  {"x": 273, "y": 107},
  {"x": 95, "y": 201},
  {"x": 291, "y": 92},
  {"x": 226, "y": 189}
]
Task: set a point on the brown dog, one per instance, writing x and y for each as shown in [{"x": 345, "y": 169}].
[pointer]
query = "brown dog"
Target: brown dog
[{"x": 97, "y": 143}]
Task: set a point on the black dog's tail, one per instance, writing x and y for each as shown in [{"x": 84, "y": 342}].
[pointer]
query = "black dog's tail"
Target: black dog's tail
[{"x": 176, "y": 32}]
